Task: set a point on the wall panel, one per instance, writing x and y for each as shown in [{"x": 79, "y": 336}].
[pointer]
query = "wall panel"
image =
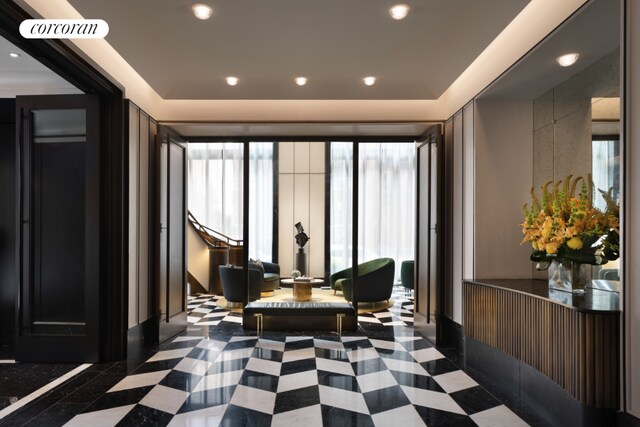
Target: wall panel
[
  {"x": 468, "y": 192},
  {"x": 301, "y": 157},
  {"x": 301, "y": 209},
  {"x": 316, "y": 223},
  {"x": 134, "y": 186},
  {"x": 286, "y": 243},
  {"x": 457, "y": 216},
  {"x": 503, "y": 171},
  {"x": 141, "y": 132},
  {"x": 301, "y": 199},
  {"x": 285, "y": 157},
  {"x": 143, "y": 222},
  {"x": 448, "y": 231},
  {"x": 316, "y": 157}
]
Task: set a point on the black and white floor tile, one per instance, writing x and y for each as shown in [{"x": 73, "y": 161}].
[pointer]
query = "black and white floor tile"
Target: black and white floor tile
[
  {"x": 204, "y": 311},
  {"x": 316, "y": 380},
  {"x": 217, "y": 374}
]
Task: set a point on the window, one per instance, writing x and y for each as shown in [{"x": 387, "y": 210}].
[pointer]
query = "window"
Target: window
[
  {"x": 386, "y": 202},
  {"x": 605, "y": 168},
  {"x": 216, "y": 189}
]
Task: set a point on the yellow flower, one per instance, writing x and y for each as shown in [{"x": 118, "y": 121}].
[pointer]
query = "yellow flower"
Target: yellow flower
[
  {"x": 575, "y": 243},
  {"x": 552, "y": 248},
  {"x": 535, "y": 245}
]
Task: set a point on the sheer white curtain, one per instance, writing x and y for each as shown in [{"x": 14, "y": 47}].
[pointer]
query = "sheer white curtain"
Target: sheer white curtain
[
  {"x": 216, "y": 189},
  {"x": 386, "y": 203},
  {"x": 261, "y": 200},
  {"x": 341, "y": 195}
]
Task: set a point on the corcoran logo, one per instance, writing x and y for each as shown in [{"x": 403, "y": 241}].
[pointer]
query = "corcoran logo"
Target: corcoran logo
[{"x": 64, "y": 29}]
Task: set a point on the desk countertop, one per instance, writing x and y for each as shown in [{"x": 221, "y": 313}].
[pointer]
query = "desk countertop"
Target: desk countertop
[{"x": 598, "y": 298}]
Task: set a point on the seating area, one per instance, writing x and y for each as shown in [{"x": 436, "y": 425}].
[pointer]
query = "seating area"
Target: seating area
[
  {"x": 375, "y": 277},
  {"x": 375, "y": 284}
]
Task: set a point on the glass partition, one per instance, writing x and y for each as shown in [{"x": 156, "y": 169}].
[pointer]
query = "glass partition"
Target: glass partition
[
  {"x": 262, "y": 165},
  {"x": 216, "y": 200},
  {"x": 386, "y": 200},
  {"x": 300, "y": 211}
]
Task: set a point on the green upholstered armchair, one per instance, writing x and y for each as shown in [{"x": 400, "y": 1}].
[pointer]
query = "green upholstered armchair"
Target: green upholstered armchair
[
  {"x": 271, "y": 276},
  {"x": 375, "y": 280},
  {"x": 406, "y": 274},
  {"x": 233, "y": 285}
]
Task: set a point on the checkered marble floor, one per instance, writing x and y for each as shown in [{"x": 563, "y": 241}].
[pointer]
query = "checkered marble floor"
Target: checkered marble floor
[
  {"x": 215, "y": 373},
  {"x": 204, "y": 311}
]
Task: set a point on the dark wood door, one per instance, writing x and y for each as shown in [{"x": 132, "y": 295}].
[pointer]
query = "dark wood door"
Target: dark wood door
[
  {"x": 172, "y": 232},
  {"x": 428, "y": 274},
  {"x": 58, "y": 240}
]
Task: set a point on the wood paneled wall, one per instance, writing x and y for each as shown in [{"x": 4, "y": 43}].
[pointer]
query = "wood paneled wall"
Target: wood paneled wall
[
  {"x": 578, "y": 351},
  {"x": 142, "y": 130},
  {"x": 460, "y": 182}
]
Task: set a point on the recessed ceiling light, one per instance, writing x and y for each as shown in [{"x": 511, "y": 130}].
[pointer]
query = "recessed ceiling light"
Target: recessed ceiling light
[
  {"x": 202, "y": 11},
  {"x": 568, "y": 59},
  {"x": 301, "y": 81},
  {"x": 369, "y": 81},
  {"x": 14, "y": 55},
  {"x": 399, "y": 11},
  {"x": 232, "y": 81}
]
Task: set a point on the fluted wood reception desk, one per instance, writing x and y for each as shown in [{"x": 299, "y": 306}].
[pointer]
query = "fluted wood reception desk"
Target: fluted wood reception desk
[{"x": 557, "y": 351}]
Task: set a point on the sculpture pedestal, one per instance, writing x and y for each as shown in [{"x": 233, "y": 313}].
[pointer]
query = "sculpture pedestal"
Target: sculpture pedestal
[{"x": 301, "y": 261}]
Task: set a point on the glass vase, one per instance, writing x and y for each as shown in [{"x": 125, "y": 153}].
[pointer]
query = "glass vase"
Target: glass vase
[{"x": 568, "y": 276}]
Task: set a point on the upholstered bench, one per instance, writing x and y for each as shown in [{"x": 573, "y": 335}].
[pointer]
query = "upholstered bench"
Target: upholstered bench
[{"x": 299, "y": 316}]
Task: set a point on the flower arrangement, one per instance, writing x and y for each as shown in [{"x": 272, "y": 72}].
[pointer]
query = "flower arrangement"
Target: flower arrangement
[{"x": 565, "y": 226}]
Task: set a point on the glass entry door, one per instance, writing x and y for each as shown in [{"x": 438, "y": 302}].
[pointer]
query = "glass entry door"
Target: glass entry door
[{"x": 59, "y": 173}]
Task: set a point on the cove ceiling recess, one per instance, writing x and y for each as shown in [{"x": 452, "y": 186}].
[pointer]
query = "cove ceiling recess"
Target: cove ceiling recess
[
  {"x": 334, "y": 43},
  {"x": 594, "y": 33},
  {"x": 26, "y": 76}
]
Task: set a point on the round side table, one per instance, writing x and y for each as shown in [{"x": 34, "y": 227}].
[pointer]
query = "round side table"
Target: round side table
[{"x": 302, "y": 290}]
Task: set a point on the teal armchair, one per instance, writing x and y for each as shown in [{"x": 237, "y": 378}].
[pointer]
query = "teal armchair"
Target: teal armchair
[{"x": 375, "y": 280}]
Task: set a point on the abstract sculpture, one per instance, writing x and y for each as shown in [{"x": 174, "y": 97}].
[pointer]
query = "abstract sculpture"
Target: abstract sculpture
[{"x": 301, "y": 256}]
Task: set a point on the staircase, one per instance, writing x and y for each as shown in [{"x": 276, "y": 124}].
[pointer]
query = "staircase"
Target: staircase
[
  {"x": 212, "y": 238},
  {"x": 222, "y": 250}
]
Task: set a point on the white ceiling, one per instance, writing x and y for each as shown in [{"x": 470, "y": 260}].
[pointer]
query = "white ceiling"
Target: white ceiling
[
  {"x": 26, "y": 76},
  {"x": 335, "y": 43},
  {"x": 416, "y": 60}
]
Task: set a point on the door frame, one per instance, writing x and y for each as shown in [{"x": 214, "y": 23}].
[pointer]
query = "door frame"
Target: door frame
[
  {"x": 65, "y": 62},
  {"x": 38, "y": 346},
  {"x": 434, "y": 332},
  {"x": 168, "y": 329}
]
